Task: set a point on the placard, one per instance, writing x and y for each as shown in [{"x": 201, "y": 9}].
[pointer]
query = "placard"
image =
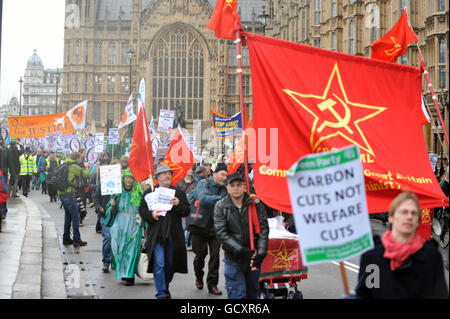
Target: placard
[
  {"x": 113, "y": 136},
  {"x": 328, "y": 199},
  {"x": 110, "y": 179},
  {"x": 165, "y": 123}
]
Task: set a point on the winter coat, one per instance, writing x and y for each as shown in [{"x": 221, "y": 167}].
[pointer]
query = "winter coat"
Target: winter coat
[
  {"x": 187, "y": 187},
  {"x": 13, "y": 155},
  {"x": 212, "y": 193},
  {"x": 4, "y": 161},
  {"x": 100, "y": 200},
  {"x": 421, "y": 276},
  {"x": 232, "y": 231},
  {"x": 75, "y": 175},
  {"x": 172, "y": 227}
]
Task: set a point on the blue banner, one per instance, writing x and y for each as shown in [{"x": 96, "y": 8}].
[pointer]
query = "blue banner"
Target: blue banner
[{"x": 225, "y": 126}]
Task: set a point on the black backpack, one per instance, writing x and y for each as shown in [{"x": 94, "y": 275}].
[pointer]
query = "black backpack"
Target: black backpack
[{"x": 60, "y": 179}]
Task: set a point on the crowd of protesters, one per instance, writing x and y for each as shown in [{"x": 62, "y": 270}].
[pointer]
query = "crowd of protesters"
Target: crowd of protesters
[{"x": 220, "y": 202}]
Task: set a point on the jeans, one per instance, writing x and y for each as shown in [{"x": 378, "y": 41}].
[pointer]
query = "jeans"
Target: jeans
[
  {"x": 106, "y": 247},
  {"x": 162, "y": 268},
  {"x": 12, "y": 184},
  {"x": 36, "y": 181},
  {"x": 240, "y": 281},
  {"x": 71, "y": 216},
  {"x": 4, "y": 210}
]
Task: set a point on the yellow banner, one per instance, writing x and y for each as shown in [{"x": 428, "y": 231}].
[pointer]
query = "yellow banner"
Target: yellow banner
[{"x": 39, "y": 125}]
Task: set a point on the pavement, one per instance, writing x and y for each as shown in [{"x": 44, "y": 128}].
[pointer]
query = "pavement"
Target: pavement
[{"x": 30, "y": 259}]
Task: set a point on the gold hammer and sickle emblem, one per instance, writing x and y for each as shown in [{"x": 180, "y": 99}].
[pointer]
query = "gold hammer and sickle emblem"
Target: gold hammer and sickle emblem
[
  {"x": 341, "y": 122},
  {"x": 228, "y": 3},
  {"x": 397, "y": 47}
]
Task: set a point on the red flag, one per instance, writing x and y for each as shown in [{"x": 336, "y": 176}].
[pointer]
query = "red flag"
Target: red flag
[
  {"x": 319, "y": 100},
  {"x": 141, "y": 155},
  {"x": 424, "y": 229},
  {"x": 395, "y": 42},
  {"x": 179, "y": 157},
  {"x": 225, "y": 19}
]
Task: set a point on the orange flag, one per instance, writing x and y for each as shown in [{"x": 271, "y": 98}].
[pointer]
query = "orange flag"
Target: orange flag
[
  {"x": 141, "y": 155},
  {"x": 237, "y": 158},
  {"x": 225, "y": 19},
  {"x": 179, "y": 157},
  {"x": 395, "y": 42}
]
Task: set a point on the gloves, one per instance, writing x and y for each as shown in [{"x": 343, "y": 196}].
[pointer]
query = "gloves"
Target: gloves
[
  {"x": 257, "y": 260},
  {"x": 247, "y": 253}
]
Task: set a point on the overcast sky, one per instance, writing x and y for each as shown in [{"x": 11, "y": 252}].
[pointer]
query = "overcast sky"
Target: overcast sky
[{"x": 29, "y": 25}]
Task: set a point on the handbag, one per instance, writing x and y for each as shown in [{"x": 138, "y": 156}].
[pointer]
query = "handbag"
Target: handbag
[
  {"x": 142, "y": 268},
  {"x": 197, "y": 220}
]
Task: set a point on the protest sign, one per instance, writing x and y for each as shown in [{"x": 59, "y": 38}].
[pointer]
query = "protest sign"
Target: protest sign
[
  {"x": 165, "y": 123},
  {"x": 329, "y": 203},
  {"x": 113, "y": 136},
  {"x": 91, "y": 156},
  {"x": 38, "y": 125},
  {"x": 88, "y": 142},
  {"x": 65, "y": 143},
  {"x": 99, "y": 142},
  {"x": 5, "y": 133},
  {"x": 160, "y": 199},
  {"x": 74, "y": 143},
  {"x": 433, "y": 160},
  {"x": 110, "y": 179},
  {"x": 225, "y": 126}
]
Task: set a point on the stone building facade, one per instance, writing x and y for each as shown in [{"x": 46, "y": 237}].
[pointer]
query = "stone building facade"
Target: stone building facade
[
  {"x": 118, "y": 42},
  {"x": 42, "y": 88}
]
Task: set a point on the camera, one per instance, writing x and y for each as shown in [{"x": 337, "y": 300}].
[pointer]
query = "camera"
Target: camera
[{"x": 81, "y": 207}]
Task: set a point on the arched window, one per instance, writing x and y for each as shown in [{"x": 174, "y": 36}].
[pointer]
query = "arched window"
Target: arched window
[{"x": 178, "y": 73}]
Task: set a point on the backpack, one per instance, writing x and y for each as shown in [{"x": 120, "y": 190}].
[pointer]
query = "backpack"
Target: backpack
[{"x": 60, "y": 179}]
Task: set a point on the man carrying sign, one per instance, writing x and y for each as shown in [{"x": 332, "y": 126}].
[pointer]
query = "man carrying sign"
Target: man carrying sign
[{"x": 165, "y": 235}]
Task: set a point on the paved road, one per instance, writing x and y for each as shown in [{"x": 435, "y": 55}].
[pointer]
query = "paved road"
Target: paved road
[{"x": 324, "y": 281}]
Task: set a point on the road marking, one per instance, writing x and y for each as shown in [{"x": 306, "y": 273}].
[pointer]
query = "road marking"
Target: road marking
[{"x": 348, "y": 265}]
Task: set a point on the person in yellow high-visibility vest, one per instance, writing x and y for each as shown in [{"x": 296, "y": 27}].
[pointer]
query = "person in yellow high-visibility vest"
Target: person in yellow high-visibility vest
[{"x": 27, "y": 169}]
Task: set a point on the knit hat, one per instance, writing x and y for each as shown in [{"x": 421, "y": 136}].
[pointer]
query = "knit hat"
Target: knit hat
[{"x": 220, "y": 167}]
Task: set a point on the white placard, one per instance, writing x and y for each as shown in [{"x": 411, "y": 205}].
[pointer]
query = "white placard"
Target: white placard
[
  {"x": 165, "y": 123},
  {"x": 160, "y": 199},
  {"x": 110, "y": 179},
  {"x": 328, "y": 199},
  {"x": 99, "y": 142},
  {"x": 113, "y": 136},
  {"x": 433, "y": 160}
]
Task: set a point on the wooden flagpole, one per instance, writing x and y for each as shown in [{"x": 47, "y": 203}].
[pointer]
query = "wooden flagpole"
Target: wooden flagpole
[
  {"x": 241, "y": 97},
  {"x": 430, "y": 87},
  {"x": 344, "y": 278}
]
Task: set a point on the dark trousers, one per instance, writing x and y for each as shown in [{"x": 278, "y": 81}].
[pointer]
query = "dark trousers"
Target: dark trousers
[
  {"x": 26, "y": 180},
  {"x": 52, "y": 192},
  {"x": 200, "y": 246}
]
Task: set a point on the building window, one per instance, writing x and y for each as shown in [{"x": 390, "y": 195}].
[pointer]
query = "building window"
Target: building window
[
  {"x": 441, "y": 5},
  {"x": 86, "y": 52},
  {"x": 76, "y": 83},
  {"x": 293, "y": 34},
  {"x": 112, "y": 53},
  {"x": 96, "y": 111},
  {"x": 402, "y": 5},
  {"x": 231, "y": 84},
  {"x": 374, "y": 34},
  {"x": 87, "y": 9},
  {"x": 442, "y": 77},
  {"x": 404, "y": 60},
  {"x": 232, "y": 52},
  {"x": 333, "y": 9},
  {"x": 352, "y": 38},
  {"x": 98, "y": 53},
  {"x": 303, "y": 26},
  {"x": 85, "y": 82},
  {"x": 110, "y": 111},
  {"x": 124, "y": 83},
  {"x": 246, "y": 84},
  {"x": 245, "y": 56},
  {"x": 230, "y": 109},
  {"x": 124, "y": 53},
  {"x": 317, "y": 8},
  {"x": 97, "y": 83},
  {"x": 317, "y": 43},
  {"x": 77, "y": 51},
  {"x": 178, "y": 72},
  {"x": 333, "y": 41},
  {"x": 111, "y": 82},
  {"x": 68, "y": 52},
  {"x": 442, "y": 50}
]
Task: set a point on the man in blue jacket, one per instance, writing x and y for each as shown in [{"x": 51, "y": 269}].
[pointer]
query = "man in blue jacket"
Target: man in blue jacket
[{"x": 207, "y": 193}]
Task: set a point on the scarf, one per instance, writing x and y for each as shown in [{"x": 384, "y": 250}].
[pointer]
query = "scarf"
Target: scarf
[{"x": 397, "y": 252}]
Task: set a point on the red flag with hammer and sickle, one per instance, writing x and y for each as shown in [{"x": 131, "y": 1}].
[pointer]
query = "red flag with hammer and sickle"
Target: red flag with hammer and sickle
[
  {"x": 395, "y": 42},
  {"x": 225, "y": 19},
  {"x": 309, "y": 100}
]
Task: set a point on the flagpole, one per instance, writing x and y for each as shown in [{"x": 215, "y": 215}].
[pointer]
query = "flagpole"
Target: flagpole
[
  {"x": 434, "y": 98},
  {"x": 241, "y": 97}
]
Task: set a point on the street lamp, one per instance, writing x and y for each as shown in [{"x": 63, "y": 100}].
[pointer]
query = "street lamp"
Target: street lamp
[
  {"x": 263, "y": 17},
  {"x": 130, "y": 55},
  {"x": 56, "y": 90},
  {"x": 20, "y": 97}
]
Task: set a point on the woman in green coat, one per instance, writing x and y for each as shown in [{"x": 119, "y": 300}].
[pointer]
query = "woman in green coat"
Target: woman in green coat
[{"x": 125, "y": 229}]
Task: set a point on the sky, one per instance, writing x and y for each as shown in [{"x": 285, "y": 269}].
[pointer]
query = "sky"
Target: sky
[{"x": 29, "y": 25}]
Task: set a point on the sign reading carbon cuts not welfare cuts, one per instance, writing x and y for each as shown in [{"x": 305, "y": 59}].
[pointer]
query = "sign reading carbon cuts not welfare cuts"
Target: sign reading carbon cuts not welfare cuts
[{"x": 329, "y": 203}]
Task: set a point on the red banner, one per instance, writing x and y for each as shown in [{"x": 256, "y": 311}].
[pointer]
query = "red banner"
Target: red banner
[{"x": 319, "y": 100}]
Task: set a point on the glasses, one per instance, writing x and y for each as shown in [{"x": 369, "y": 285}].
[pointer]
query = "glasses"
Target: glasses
[{"x": 405, "y": 212}]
